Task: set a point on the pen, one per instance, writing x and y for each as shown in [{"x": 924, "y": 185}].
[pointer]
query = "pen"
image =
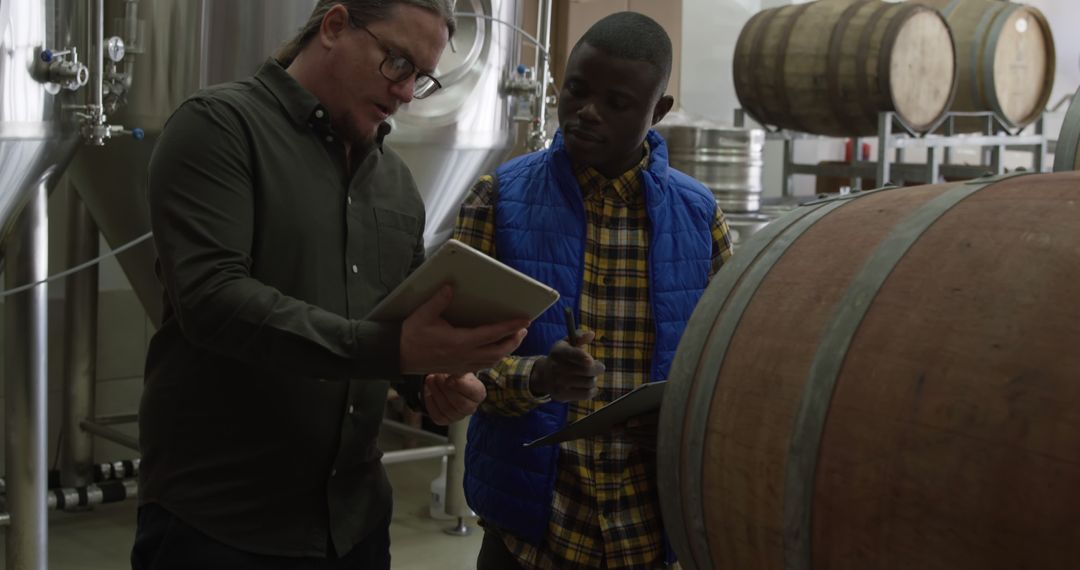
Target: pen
[{"x": 571, "y": 328}]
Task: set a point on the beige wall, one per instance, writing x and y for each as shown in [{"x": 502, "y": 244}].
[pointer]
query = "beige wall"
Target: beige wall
[{"x": 574, "y": 17}]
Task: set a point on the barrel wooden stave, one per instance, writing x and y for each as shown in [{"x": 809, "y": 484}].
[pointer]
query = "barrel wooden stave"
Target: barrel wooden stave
[{"x": 952, "y": 436}]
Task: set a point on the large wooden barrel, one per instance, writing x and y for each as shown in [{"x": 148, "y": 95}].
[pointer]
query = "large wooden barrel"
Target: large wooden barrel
[
  {"x": 829, "y": 67},
  {"x": 1005, "y": 59},
  {"x": 887, "y": 381},
  {"x": 1067, "y": 153}
]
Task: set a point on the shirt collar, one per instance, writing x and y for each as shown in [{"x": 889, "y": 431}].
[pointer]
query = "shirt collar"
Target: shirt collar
[
  {"x": 627, "y": 186},
  {"x": 303, "y": 108}
]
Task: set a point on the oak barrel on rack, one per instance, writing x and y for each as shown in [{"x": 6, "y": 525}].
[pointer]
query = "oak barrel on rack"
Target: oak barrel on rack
[
  {"x": 1005, "y": 59},
  {"x": 829, "y": 67},
  {"x": 888, "y": 380}
]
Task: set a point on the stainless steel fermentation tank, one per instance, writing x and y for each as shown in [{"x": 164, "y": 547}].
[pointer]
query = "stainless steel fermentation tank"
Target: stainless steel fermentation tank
[
  {"x": 466, "y": 130},
  {"x": 183, "y": 45},
  {"x": 447, "y": 140},
  {"x": 37, "y": 140}
]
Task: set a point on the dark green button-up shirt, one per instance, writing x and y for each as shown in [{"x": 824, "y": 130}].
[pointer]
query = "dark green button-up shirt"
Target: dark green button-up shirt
[{"x": 264, "y": 388}]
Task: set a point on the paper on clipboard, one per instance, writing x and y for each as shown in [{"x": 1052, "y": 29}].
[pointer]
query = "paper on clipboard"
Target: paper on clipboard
[{"x": 644, "y": 399}]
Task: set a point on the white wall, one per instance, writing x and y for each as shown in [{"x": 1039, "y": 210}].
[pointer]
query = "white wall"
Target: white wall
[{"x": 1064, "y": 18}]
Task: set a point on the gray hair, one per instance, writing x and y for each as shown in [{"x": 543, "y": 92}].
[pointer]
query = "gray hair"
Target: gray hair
[{"x": 361, "y": 12}]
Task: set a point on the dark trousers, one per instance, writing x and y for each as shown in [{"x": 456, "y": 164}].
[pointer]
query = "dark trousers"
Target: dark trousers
[
  {"x": 494, "y": 555},
  {"x": 164, "y": 542}
]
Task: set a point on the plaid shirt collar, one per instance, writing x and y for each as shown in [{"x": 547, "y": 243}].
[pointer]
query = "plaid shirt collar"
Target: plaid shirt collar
[{"x": 627, "y": 186}]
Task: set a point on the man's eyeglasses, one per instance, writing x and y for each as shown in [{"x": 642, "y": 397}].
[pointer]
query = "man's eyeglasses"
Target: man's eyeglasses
[{"x": 398, "y": 68}]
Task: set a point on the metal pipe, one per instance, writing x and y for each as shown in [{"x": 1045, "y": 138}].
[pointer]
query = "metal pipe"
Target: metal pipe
[
  {"x": 75, "y": 498},
  {"x": 116, "y": 470},
  {"x": 131, "y": 19},
  {"x": 132, "y": 46},
  {"x": 116, "y": 419},
  {"x": 409, "y": 430},
  {"x": 543, "y": 61},
  {"x": 97, "y": 52},
  {"x": 417, "y": 454},
  {"x": 455, "y": 471},
  {"x": 26, "y": 373},
  {"x": 110, "y": 434},
  {"x": 123, "y": 469},
  {"x": 80, "y": 346}
]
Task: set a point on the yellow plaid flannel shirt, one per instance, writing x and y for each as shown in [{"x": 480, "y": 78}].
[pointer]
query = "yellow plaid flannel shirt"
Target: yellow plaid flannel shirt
[{"x": 606, "y": 511}]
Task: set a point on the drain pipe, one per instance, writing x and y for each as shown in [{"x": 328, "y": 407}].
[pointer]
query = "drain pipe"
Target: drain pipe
[{"x": 78, "y": 498}]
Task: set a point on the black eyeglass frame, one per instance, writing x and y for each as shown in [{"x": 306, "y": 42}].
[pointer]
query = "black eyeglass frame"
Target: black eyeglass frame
[{"x": 401, "y": 69}]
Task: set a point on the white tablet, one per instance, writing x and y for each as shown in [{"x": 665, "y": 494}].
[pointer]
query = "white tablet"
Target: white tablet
[{"x": 485, "y": 290}]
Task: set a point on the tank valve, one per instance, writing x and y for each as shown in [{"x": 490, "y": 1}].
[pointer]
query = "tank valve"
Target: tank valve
[{"x": 57, "y": 71}]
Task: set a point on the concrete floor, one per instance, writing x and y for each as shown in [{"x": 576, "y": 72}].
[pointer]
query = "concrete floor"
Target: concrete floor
[{"x": 101, "y": 539}]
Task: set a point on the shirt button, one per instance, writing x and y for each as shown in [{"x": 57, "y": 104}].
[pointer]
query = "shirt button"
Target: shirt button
[
  {"x": 355, "y": 269},
  {"x": 607, "y": 280},
  {"x": 333, "y": 472},
  {"x": 319, "y": 113},
  {"x": 352, "y": 409},
  {"x": 349, "y": 200},
  {"x": 329, "y": 138}
]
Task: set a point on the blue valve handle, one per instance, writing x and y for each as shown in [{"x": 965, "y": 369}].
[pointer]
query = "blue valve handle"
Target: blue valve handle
[
  {"x": 138, "y": 134},
  {"x": 47, "y": 56}
]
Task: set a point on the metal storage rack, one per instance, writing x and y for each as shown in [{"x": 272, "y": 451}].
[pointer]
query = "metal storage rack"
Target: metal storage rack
[{"x": 894, "y": 139}]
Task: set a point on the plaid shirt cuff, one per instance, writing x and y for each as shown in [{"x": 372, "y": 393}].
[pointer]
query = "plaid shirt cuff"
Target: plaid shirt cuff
[{"x": 507, "y": 385}]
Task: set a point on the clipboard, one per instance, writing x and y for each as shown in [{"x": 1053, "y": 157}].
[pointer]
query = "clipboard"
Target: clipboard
[
  {"x": 642, "y": 400},
  {"x": 486, "y": 290}
]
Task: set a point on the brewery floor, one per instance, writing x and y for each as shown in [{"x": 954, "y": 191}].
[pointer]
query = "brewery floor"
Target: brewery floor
[{"x": 101, "y": 539}]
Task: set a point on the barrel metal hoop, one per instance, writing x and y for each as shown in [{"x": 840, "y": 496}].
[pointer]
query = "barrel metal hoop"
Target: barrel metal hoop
[
  {"x": 756, "y": 55},
  {"x": 979, "y": 40},
  {"x": 832, "y": 73},
  {"x": 869, "y": 116},
  {"x": 1065, "y": 156},
  {"x": 989, "y": 51},
  {"x": 781, "y": 75},
  {"x": 803, "y": 454},
  {"x": 745, "y": 88},
  {"x": 851, "y": 196},
  {"x": 697, "y": 364}
]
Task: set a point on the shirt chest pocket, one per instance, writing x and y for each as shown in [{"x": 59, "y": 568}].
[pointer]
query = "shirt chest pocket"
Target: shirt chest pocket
[{"x": 397, "y": 237}]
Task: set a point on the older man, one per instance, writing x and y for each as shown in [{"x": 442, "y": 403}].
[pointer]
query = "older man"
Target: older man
[{"x": 280, "y": 221}]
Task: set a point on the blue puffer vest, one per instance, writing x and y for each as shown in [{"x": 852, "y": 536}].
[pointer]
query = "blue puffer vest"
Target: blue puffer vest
[{"x": 540, "y": 231}]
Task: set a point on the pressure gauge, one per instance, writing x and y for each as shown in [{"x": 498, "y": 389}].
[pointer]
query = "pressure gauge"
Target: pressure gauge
[{"x": 115, "y": 49}]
